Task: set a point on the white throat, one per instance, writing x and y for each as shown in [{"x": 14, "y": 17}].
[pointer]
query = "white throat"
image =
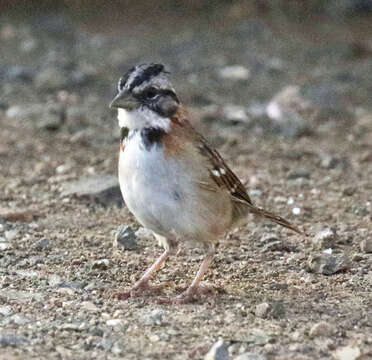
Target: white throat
[{"x": 142, "y": 118}]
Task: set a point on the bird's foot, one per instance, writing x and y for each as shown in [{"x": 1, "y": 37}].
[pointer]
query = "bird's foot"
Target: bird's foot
[
  {"x": 192, "y": 294},
  {"x": 139, "y": 289}
]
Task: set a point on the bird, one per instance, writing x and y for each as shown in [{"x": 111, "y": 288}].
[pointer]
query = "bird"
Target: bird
[{"x": 171, "y": 179}]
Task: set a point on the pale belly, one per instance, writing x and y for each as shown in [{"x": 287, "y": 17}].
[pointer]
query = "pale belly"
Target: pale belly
[{"x": 164, "y": 197}]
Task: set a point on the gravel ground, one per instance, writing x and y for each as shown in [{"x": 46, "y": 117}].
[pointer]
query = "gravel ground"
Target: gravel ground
[{"x": 287, "y": 102}]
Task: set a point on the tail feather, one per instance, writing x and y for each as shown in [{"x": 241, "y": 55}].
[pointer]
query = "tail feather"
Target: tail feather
[{"x": 278, "y": 219}]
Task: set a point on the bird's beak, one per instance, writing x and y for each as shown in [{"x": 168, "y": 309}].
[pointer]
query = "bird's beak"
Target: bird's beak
[{"x": 124, "y": 100}]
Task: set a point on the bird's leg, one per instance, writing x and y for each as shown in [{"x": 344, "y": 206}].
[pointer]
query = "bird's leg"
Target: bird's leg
[
  {"x": 195, "y": 288},
  {"x": 143, "y": 283}
]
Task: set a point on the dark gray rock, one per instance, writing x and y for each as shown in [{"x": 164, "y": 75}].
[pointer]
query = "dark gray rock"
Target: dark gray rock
[
  {"x": 102, "y": 264},
  {"x": 102, "y": 189},
  {"x": 327, "y": 264},
  {"x": 125, "y": 238},
  {"x": 324, "y": 239},
  {"x": 218, "y": 352},
  {"x": 53, "y": 117},
  {"x": 366, "y": 245},
  {"x": 299, "y": 173},
  {"x": 42, "y": 244},
  {"x": 11, "y": 340}
]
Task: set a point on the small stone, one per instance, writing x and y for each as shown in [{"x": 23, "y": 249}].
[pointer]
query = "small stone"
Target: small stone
[
  {"x": 218, "y": 352},
  {"x": 298, "y": 173},
  {"x": 53, "y": 117},
  {"x": 273, "y": 246},
  {"x": 4, "y": 245},
  {"x": 324, "y": 239},
  {"x": 102, "y": 264},
  {"x": 72, "y": 327},
  {"x": 235, "y": 113},
  {"x": 357, "y": 257},
  {"x": 250, "y": 356},
  {"x": 347, "y": 353},
  {"x": 125, "y": 238},
  {"x": 42, "y": 244},
  {"x": 328, "y": 264},
  {"x": 54, "y": 280},
  {"x": 321, "y": 329},
  {"x": 366, "y": 245},
  {"x": 102, "y": 189},
  {"x": 287, "y": 110},
  {"x": 17, "y": 215},
  {"x": 269, "y": 237},
  {"x": 5, "y": 310},
  {"x": 19, "y": 319},
  {"x": 328, "y": 161},
  {"x": 88, "y": 305},
  {"x": 274, "y": 310},
  {"x": 155, "y": 317},
  {"x": 349, "y": 191},
  {"x": 11, "y": 234},
  {"x": 114, "y": 322},
  {"x": 11, "y": 340},
  {"x": 234, "y": 72},
  {"x": 262, "y": 310}
]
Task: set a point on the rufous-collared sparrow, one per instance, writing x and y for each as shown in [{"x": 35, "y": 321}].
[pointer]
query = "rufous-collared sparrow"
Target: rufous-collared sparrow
[{"x": 172, "y": 180}]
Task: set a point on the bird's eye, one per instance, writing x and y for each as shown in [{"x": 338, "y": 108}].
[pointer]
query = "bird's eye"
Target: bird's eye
[{"x": 151, "y": 93}]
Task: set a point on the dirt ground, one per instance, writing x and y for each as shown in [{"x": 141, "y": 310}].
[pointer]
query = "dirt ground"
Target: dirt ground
[{"x": 294, "y": 121}]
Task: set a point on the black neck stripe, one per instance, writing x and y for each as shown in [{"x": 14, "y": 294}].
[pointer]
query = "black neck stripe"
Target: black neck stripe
[{"x": 152, "y": 136}]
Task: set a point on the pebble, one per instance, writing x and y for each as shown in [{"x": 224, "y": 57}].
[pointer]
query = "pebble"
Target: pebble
[
  {"x": 250, "y": 356},
  {"x": 11, "y": 234},
  {"x": 321, "y": 329},
  {"x": 154, "y": 317},
  {"x": 285, "y": 109},
  {"x": 349, "y": 191},
  {"x": 11, "y": 340},
  {"x": 218, "y": 352},
  {"x": 102, "y": 264},
  {"x": 298, "y": 173},
  {"x": 347, "y": 353},
  {"x": 4, "y": 245},
  {"x": 88, "y": 305},
  {"x": 54, "y": 280},
  {"x": 5, "y": 310},
  {"x": 52, "y": 118},
  {"x": 262, "y": 310},
  {"x": 275, "y": 310},
  {"x": 102, "y": 189},
  {"x": 328, "y": 264},
  {"x": 234, "y": 72},
  {"x": 235, "y": 113},
  {"x": 324, "y": 239},
  {"x": 269, "y": 237},
  {"x": 114, "y": 322},
  {"x": 366, "y": 245},
  {"x": 329, "y": 161},
  {"x": 42, "y": 244},
  {"x": 125, "y": 238}
]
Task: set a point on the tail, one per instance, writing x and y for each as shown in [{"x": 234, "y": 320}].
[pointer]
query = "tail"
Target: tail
[{"x": 278, "y": 219}]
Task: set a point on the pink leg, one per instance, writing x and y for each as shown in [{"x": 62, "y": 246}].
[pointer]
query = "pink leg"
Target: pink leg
[
  {"x": 143, "y": 283},
  {"x": 195, "y": 288}
]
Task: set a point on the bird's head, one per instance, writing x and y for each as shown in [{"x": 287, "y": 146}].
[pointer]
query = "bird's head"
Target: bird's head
[{"x": 145, "y": 98}]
